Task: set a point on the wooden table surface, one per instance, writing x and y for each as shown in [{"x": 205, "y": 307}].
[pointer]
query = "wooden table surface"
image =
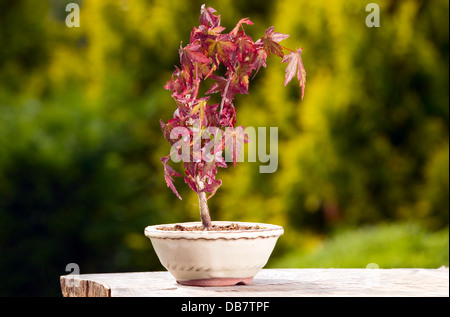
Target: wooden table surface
[{"x": 268, "y": 283}]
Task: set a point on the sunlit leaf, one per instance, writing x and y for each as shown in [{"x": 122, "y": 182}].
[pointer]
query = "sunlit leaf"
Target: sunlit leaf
[
  {"x": 207, "y": 17},
  {"x": 169, "y": 173},
  {"x": 295, "y": 66},
  {"x": 270, "y": 42}
]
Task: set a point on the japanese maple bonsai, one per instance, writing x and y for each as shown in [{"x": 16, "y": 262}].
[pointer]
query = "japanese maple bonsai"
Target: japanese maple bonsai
[{"x": 215, "y": 62}]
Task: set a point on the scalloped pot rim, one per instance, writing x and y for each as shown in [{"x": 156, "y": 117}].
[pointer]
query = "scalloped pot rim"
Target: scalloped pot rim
[{"x": 265, "y": 231}]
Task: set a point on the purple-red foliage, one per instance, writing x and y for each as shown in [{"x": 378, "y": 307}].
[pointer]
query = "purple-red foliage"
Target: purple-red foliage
[{"x": 241, "y": 57}]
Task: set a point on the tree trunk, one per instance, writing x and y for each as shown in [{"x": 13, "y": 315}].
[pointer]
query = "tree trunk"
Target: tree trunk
[{"x": 203, "y": 204}]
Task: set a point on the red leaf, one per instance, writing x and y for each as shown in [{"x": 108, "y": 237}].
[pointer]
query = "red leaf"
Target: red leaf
[
  {"x": 233, "y": 139},
  {"x": 191, "y": 54},
  {"x": 167, "y": 128},
  {"x": 222, "y": 47},
  {"x": 195, "y": 53},
  {"x": 260, "y": 60},
  {"x": 212, "y": 186},
  {"x": 270, "y": 42},
  {"x": 177, "y": 84},
  {"x": 220, "y": 85},
  {"x": 275, "y": 36},
  {"x": 246, "y": 49},
  {"x": 242, "y": 21},
  {"x": 207, "y": 17},
  {"x": 169, "y": 172},
  {"x": 228, "y": 116},
  {"x": 190, "y": 181},
  {"x": 295, "y": 66}
]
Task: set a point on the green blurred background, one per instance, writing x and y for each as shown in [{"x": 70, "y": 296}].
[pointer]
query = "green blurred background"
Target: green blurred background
[{"x": 363, "y": 171}]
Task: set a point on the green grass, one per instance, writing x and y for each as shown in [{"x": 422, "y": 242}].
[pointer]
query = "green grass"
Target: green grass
[{"x": 388, "y": 245}]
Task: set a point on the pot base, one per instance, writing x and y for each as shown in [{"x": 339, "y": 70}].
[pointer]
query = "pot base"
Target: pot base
[{"x": 217, "y": 282}]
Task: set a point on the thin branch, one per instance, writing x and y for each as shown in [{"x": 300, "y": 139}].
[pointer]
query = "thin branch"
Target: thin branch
[
  {"x": 225, "y": 93},
  {"x": 197, "y": 81},
  {"x": 286, "y": 48}
]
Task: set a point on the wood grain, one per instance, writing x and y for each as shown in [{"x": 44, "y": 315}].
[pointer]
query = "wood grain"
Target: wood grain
[{"x": 269, "y": 283}]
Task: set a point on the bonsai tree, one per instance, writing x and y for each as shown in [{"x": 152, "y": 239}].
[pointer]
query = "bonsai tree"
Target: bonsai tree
[{"x": 200, "y": 130}]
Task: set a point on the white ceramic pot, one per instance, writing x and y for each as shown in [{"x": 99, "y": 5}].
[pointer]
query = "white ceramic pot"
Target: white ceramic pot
[{"x": 214, "y": 258}]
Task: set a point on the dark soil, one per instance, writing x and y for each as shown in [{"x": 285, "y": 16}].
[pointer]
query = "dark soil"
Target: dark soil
[{"x": 230, "y": 227}]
